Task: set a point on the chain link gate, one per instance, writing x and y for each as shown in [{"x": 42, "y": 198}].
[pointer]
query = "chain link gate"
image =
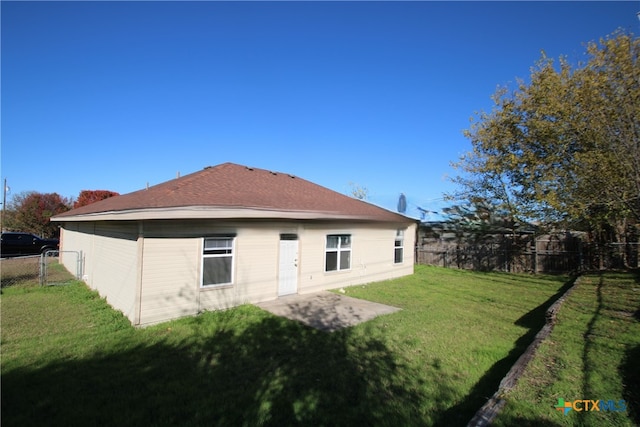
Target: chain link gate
[{"x": 53, "y": 272}]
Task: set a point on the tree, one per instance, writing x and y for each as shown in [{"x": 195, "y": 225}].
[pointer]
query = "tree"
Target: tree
[
  {"x": 358, "y": 191},
  {"x": 87, "y": 197},
  {"x": 563, "y": 149},
  {"x": 474, "y": 220},
  {"x": 477, "y": 221},
  {"x": 31, "y": 212}
]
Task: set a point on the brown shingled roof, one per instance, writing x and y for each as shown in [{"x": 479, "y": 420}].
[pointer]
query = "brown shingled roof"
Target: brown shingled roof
[{"x": 232, "y": 186}]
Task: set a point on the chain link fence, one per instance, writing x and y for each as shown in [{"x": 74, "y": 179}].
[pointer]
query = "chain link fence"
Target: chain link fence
[
  {"x": 20, "y": 270},
  {"x": 41, "y": 270}
]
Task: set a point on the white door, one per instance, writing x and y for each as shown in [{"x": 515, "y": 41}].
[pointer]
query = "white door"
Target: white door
[{"x": 288, "y": 272}]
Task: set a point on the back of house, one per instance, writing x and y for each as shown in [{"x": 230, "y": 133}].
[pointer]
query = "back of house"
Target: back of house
[{"x": 229, "y": 235}]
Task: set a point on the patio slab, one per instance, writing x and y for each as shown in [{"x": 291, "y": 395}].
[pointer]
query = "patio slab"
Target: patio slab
[{"x": 325, "y": 310}]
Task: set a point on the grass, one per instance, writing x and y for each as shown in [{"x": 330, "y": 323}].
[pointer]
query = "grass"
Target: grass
[
  {"x": 69, "y": 359},
  {"x": 592, "y": 353}
]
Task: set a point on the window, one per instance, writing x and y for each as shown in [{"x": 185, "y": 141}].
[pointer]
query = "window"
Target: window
[
  {"x": 398, "y": 255},
  {"x": 217, "y": 261},
  {"x": 338, "y": 252}
]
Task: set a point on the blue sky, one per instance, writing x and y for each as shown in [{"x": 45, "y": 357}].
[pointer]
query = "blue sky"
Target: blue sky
[{"x": 115, "y": 95}]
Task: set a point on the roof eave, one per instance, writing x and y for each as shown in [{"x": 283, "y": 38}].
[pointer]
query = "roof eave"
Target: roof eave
[{"x": 208, "y": 212}]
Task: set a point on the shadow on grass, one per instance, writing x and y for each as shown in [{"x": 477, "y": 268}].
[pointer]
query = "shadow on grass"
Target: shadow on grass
[
  {"x": 530, "y": 422},
  {"x": 631, "y": 375},
  {"x": 631, "y": 369},
  {"x": 588, "y": 369},
  {"x": 273, "y": 372},
  {"x": 534, "y": 320}
]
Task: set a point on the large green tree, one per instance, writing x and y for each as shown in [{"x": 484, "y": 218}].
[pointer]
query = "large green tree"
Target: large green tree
[{"x": 563, "y": 148}]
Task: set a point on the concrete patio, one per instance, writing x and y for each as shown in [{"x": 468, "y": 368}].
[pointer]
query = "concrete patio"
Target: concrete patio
[{"x": 325, "y": 310}]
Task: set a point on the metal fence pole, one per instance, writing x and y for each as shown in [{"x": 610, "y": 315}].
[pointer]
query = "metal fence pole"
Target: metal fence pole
[
  {"x": 43, "y": 267},
  {"x": 79, "y": 265}
]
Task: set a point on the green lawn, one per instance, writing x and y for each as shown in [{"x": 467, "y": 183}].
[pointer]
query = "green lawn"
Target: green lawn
[
  {"x": 593, "y": 353},
  {"x": 68, "y": 359}
]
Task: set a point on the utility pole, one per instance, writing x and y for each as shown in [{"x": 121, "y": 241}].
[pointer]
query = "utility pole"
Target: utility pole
[{"x": 4, "y": 204}]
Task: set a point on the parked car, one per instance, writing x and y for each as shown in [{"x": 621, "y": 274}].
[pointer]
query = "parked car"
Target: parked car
[{"x": 16, "y": 243}]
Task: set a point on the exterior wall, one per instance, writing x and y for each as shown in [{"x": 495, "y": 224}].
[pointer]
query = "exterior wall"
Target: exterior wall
[
  {"x": 172, "y": 265},
  {"x": 172, "y": 270},
  {"x": 165, "y": 284},
  {"x": 170, "y": 273},
  {"x": 372, "y": 256},
  {"x": 173, "y": 261},
  {"x": 109, "y": 254},
  {"x": 76, "y": 237}
]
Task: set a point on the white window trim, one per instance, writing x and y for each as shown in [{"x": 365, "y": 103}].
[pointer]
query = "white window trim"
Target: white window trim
[
  {"x": 338, "y": 251},
  {"x": 399, "y": 236},
  {"x": 233, "y": 262}
]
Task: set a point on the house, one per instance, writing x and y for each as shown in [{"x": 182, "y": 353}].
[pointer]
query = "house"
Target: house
[{"x": 229, "y": 235}]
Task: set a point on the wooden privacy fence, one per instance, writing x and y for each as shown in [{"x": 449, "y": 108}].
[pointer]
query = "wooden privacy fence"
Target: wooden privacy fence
[{"x": 545, "y": 256}]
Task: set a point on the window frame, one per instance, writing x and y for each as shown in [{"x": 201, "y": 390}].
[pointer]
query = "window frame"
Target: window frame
[
  {"x": 398, "y": 245},
  {"x": 218, "y": 252},
  {"x": 339, "y": 250}
]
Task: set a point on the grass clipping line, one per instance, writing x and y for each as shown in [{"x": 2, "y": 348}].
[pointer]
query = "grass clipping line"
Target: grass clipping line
[{"x": 488, "y": 412}]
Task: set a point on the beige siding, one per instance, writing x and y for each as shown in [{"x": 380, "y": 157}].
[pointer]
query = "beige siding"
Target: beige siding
[
  {"x": 109, "y": 253},
  {"x": 76, "y": 237},
  {"x": 256, "y": 264},
  {"x": 165, "y": 282},
  {"x": 115, "y": 272},
  {"x": 372, "y": 256},
  {"x": 170, "y": 271}
]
